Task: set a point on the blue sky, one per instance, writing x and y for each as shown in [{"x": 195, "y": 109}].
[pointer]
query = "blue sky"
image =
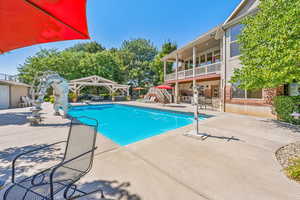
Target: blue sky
[{"x": 112, "y": 21}]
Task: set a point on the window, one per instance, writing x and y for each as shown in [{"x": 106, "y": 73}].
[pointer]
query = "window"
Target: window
[
  {"x": 217, "y": 56},
  {"x": 234, "y": 45},
  {"x": 191, "y": 64},
  {"x": 238, "y": 92},
  {"x": 245, "y": 94},
  {"x": 202, "y": 60},
  {"x": 197, "y": 61},
  {"x": 209, "y": 58},
  {"x": 186, "y": 64},
  {"x": 294, "y": 89},
  {"x": 254, "y": 94}
]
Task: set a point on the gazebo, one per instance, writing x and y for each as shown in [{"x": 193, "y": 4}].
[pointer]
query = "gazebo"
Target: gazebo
[{"x": 77, "y": 85}]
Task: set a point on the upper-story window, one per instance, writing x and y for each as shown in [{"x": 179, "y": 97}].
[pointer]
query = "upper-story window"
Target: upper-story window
[
  {"x": 217, "y": 56},
  {"x": 209, "y": 58},
  {"x": 202, "y": 60},
  {"x": 234, "y": 45}
]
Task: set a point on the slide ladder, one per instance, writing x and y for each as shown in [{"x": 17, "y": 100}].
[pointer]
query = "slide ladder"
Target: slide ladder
[{"x": 161, "y": 95}]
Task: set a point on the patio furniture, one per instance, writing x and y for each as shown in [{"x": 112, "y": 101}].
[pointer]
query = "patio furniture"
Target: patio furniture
[
  {"x": 201, "y": 102},
  {"x": 29, "y": 101},
  {"x": 59, "y": 180},
  {"x": 22, "y": 103},
  {"x": 209, "y": 102},
  {"x": 151, "y": 100}
]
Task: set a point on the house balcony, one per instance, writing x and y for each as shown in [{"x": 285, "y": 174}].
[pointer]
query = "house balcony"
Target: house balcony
[{"x": 214, "y": 68}]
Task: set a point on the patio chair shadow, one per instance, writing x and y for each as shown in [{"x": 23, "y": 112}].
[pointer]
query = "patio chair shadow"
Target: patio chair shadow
[
  {"x": 112, "y": 189},
  {"x": 26, "y": 163},
  {"x": 19, "y": 118}
]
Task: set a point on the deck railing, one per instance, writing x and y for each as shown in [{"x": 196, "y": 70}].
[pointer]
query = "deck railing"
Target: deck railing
[
  {"x": 7, "y": 77},
  {"x": 214, "y": 68}
]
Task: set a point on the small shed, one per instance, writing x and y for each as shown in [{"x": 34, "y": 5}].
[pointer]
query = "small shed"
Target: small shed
[{"x": 11, "y": 92}]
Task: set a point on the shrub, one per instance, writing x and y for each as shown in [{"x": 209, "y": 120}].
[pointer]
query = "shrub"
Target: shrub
[
  {"x": 104, "y": 95},
  {"x": 72, "y": 95},
  {"x": 52, "y": 99},
  {"x": 47, "y": 99},
  {"x": 293, "y": 171},
  {"x": 114, "y": 94},
  {"x": 285, "y": 106}
]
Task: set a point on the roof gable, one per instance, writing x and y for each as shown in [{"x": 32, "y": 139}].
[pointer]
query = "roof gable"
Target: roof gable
[{"x": 243, "y": 8}]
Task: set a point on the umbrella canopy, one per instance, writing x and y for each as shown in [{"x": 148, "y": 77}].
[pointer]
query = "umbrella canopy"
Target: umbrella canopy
[
  {"x": 166, "y": 87},
  {"x": 28, "y": 22}
]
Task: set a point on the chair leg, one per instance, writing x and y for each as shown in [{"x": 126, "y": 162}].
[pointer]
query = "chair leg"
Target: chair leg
[{"x": 8, "y": 190}]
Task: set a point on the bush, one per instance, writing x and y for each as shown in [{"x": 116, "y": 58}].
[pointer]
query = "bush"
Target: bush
[
  {"x": 52, "y": 99},
  {"x": 47, "y": 99},
  {"x": 104, "y": 95},
  {"x": 293, "y": 171},
  {"x": 285, "y": 106}
]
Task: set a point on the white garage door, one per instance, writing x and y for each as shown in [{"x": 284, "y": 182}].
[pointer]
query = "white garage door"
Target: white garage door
[{"x": 4, "y": 96}]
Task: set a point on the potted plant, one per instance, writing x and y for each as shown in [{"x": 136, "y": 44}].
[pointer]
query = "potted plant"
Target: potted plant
[{"x": 73, "y": 97}]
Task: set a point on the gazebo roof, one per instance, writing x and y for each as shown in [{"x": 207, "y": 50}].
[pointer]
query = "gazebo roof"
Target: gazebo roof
[
  {"x": 93, "y": 79},
  {"x": 78, "y": 84}
]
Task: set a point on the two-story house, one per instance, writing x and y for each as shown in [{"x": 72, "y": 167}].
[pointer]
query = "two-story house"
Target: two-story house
[{"x": 209, "y": 62}]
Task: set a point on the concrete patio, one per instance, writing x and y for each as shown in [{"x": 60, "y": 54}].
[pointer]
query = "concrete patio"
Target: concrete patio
[{"x": 237, "y": 162}]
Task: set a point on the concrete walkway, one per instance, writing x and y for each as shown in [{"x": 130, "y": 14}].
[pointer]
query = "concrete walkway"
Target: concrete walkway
[{"x": 237, "y": 162}]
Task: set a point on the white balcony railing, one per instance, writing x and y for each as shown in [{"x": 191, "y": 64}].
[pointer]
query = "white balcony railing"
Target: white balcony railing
[{"x": 214, "y": 68}]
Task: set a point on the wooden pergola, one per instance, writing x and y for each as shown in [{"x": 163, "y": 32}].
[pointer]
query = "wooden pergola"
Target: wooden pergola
[{"x": 78, "y": 84}]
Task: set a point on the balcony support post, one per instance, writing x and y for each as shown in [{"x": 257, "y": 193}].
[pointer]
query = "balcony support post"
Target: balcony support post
[
  {"x": 176, "y": 84},
  {"x": 194, "y": 65},
  {"x": 165, "y": 70}
]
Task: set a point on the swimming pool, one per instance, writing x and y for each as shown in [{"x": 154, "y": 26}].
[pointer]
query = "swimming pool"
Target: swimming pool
[{"x": 128, "y": 124}]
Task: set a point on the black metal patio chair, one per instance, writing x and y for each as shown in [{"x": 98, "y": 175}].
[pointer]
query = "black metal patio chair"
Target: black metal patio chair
[{"x": 59, "y": 180}]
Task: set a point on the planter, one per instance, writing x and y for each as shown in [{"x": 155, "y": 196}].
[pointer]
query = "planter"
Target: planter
[{"x": 74, "y": 100}]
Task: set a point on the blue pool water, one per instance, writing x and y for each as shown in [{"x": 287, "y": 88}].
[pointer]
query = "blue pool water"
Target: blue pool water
[{"x": 128, "y": 124}]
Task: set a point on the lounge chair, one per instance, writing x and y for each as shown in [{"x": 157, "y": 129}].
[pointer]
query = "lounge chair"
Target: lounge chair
[
  {"x": 29, "y": 101},
  {"x": 22, "y": 102},
  {"x": 59, "y": 180},
  {"x": 25, "y": 101},
  {"x": 151, "y": 100}
]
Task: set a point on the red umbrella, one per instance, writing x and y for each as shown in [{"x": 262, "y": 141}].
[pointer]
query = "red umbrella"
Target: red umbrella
[
  {"x": 166, "y": 87},
  {"x": 28, "y": 22}
]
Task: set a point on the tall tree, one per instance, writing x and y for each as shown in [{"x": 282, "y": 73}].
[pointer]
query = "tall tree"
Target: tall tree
[
  {"x": 270, "y": 46},
  {"x": 138, "y": 53},
  {"x": 89, "y": 47},
  {"x": 158, "y": 66}
]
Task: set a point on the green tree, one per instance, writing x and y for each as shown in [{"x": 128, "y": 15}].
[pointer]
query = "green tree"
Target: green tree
[
  {"x": 137, "y": 55},
  {"x": 157, "y": 64},
  {"x": 270, "y": 46},
  {"x": 89, "y": 47}
]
